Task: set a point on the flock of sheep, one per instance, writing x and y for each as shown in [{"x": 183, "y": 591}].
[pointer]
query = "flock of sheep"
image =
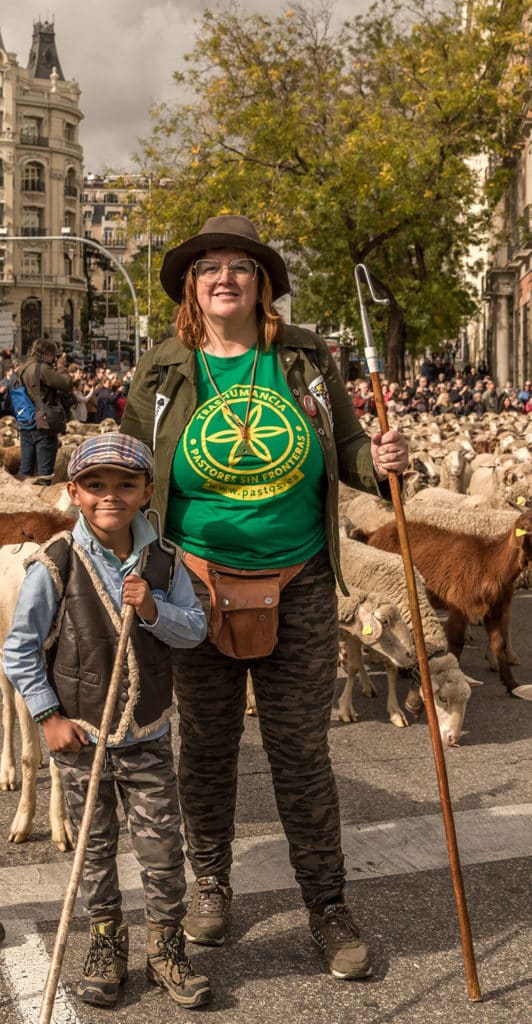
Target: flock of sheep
[{"x": 468, "y": 503}]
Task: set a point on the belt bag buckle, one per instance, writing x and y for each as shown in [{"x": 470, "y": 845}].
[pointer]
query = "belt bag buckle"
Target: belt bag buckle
[{"x": 245, "y": 614}]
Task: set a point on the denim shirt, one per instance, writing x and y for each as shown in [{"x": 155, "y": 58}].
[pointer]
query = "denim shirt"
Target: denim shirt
[{"x": 180, "y": 618}]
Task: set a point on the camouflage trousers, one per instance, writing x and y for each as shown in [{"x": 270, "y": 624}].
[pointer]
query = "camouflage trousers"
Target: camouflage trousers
[
  {"x": 143, "y": 777},
  {"x": 294, "y": 688}
]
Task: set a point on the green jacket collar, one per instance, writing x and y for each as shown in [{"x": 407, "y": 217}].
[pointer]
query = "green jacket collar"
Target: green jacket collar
[{"x": 172, "y": 352}]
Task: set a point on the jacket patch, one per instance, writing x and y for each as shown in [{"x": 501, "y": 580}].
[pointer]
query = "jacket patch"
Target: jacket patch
[
  {"x": 161, "y": 401},
  {"x": 310, "y": 405},
  {"x": 318, "y": 388}
]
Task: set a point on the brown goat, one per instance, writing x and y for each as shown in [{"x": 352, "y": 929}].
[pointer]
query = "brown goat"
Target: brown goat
[
  {"x": 472, "y": 577},
  {"x": 22, "y": 527},
  {"x": 10, "y": 458}
]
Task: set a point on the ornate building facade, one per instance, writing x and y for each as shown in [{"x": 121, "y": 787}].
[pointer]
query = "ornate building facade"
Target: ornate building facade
[
  {"x": 508, "y": 281},
  {"x": 42, "y": 283},
  {"x": 500, "y": 337}
]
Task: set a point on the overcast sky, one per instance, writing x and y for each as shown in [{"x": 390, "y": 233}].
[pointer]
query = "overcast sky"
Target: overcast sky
[{"x": 122, "y": 54}]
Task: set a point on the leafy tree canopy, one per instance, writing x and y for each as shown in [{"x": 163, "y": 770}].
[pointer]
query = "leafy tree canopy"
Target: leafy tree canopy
[{"x": 346, "y": 146}]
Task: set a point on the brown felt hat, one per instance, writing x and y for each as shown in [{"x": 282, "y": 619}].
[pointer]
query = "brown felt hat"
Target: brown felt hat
[{"x": 227, "y": 232}]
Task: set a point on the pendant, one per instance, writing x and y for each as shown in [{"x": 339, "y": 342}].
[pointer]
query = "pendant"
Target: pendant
[{"x": 243, "y": 449}]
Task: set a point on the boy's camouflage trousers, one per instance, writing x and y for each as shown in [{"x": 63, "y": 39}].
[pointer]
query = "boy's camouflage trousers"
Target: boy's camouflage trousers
[
  {"x": 143, "y": 775},
  {"x": 294, "y": 690}
]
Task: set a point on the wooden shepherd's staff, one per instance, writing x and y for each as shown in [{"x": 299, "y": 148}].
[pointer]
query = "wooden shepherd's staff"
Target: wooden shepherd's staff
[
  {"x": 468, "y": 952},
  {"x": 52, "y": 980}
]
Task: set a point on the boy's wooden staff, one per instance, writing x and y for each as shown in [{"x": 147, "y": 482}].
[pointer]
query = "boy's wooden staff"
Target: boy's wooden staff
[
  {"x": 52, "y": 980},
  {"x": 370, "y": 353}
]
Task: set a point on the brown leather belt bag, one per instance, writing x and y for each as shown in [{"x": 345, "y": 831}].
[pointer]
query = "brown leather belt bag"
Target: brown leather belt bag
[{"x": 244, "y": 605}]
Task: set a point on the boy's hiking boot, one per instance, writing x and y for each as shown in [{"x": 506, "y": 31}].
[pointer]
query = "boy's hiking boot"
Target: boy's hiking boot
[
  {"x": 337, "y": 935},
  {"x": 106, "y": 964},
  {"x": 207, "y": 916},
  {"x": 168, "y": 967}
]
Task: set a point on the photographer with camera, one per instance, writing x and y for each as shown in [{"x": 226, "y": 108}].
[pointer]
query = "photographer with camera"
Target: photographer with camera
[{"x": 45, "y": 378}]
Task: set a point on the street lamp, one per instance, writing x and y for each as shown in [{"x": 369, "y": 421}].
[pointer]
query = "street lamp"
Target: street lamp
[{"x": 65, "y": 233}]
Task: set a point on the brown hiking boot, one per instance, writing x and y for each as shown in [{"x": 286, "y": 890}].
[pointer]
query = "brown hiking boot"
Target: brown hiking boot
[
  {"x": 337, "y": 935},
  {"x": 168, "y": 966},
  {"x": 207, "y": 916},
  {"x": 106, "y": 964}
]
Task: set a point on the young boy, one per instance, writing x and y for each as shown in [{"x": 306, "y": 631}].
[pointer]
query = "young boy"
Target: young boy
[{"x": 59, "y": 655}]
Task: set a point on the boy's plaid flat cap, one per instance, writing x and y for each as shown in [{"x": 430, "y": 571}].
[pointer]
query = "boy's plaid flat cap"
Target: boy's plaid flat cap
[{"x": 111, "y": 449}]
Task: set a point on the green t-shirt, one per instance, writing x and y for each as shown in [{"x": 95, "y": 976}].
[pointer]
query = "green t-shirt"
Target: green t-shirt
[{"x": 255, "y": 506}]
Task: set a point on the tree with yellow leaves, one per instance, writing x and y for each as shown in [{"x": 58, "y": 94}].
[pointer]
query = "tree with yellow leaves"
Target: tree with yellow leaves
[{"x": 349, "y": 145}]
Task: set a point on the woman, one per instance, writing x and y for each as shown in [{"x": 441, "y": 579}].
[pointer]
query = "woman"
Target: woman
[
  {"x": 252, "y": 429},
  {"x": 82, "y": 394}
]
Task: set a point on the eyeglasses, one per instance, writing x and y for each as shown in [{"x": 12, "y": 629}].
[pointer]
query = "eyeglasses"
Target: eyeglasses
[{"x": 211, "y": 270}]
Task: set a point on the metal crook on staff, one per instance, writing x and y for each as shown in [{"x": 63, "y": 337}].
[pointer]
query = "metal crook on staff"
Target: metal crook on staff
[{"x": 371, "y": 355}]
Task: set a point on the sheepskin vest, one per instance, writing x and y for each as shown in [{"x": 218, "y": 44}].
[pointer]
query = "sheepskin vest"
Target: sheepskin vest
[{"x": 81, "y": 647}]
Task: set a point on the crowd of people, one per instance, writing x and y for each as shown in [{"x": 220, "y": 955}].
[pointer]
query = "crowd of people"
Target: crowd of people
[
  {"x": 440, "y": 388},
  {"x": 98, "y": 393}
]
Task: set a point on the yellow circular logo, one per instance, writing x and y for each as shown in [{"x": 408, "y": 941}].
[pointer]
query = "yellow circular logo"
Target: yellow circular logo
[{"x": 262, "y": 464}]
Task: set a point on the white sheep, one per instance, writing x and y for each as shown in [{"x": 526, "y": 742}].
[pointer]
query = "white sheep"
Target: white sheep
[
  {"x": 371, "y": 621},
  {"x": 362, "y": 567}
]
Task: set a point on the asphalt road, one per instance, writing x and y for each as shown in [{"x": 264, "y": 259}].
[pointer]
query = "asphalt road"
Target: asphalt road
[{"x": 399, "y": 883}]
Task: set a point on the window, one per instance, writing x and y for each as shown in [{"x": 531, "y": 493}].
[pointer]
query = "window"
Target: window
[
  {"x": 1, "y": 83},
  {"x": 2, "y": 263},
  {"x": 69, "y": 220},
  {"x": 31, "y": 221},
  {"x": 33, "y": 177},
  {"x": 70, "y": 183},
  {"x": 70, "y": 132},
  {"x": 30, "y": 132},
  {"x": 1, "y": 173},
  {"x": 31, "y": 263}
]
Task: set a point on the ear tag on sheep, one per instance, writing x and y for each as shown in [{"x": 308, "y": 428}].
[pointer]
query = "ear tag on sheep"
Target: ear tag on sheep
[
  {"x": 519, "y": 532},
  {"x": 367, "y": 631},
  {"x": 521, "y": 500}
]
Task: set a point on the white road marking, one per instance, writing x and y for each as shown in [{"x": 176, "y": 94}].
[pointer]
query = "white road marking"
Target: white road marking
[
  {"x": 25, "y": 961},
  {"x": 261, "y": 864}
]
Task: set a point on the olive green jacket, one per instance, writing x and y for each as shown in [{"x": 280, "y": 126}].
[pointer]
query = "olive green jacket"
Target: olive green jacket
[{"x": 162, "y": 399}]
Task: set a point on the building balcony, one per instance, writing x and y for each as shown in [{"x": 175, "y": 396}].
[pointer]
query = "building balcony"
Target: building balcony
[
  {"x": 28, "y": 139},
  {"x": 70, "y": 191},
  {"x": 32, "y": 232},
  {"x": 33, "y": 186},
  {"x": 30, "y": 278},
  {"x": 115, "y": 242},
  {"x": 498, "y": 281}
]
